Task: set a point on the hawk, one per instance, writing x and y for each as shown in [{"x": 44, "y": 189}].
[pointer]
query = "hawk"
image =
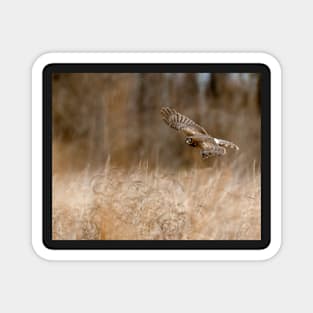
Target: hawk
[{"x": 195, "y": 135}]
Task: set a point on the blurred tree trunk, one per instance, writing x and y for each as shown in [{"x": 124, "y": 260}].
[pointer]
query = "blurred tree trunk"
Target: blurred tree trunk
[
  {"x": 116, "y": 99},
  {"x": 149, "y": 102}
]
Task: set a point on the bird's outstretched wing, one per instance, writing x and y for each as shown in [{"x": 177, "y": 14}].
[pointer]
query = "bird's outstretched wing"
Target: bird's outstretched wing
[{"x": 181, "y": 122}]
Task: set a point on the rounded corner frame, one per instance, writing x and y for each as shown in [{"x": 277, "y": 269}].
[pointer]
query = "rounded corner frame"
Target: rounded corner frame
[{"x": 158, "y": 255}]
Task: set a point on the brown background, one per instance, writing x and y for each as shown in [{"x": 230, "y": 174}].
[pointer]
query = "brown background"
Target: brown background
[{"x": 96, "y": 116}]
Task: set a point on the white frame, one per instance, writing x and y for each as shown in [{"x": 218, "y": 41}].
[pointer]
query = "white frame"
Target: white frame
[{"x": 156, "y": 255}]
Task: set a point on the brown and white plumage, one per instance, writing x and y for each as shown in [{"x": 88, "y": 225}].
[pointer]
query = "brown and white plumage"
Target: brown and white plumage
[{"x": 195, "y": 135}]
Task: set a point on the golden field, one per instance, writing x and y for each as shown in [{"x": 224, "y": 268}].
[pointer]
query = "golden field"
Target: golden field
[{"x": 139, "y": 203}]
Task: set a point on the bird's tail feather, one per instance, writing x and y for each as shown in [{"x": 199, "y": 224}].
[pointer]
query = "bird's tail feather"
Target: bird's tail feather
[{"x": 226, "y": 144}]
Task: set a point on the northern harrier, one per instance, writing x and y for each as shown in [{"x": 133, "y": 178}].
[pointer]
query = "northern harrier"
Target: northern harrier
[{"x": 195, "y": 135}]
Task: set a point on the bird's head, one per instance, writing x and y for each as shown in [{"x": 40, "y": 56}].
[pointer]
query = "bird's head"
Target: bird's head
[{"x": 189, "y": 141}]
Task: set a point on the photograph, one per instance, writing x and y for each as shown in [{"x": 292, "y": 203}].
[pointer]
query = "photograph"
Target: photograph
[{"x": 156, "y": 156}]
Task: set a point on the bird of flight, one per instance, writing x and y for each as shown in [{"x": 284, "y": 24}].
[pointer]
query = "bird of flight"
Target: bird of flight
[{"x": 195, "y": 135}]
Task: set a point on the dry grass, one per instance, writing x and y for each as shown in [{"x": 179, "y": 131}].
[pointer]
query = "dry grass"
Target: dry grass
[{"x": 221, "y": 203}]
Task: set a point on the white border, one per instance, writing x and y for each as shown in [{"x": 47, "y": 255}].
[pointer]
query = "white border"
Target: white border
[{"x": 156, "y": 255}]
